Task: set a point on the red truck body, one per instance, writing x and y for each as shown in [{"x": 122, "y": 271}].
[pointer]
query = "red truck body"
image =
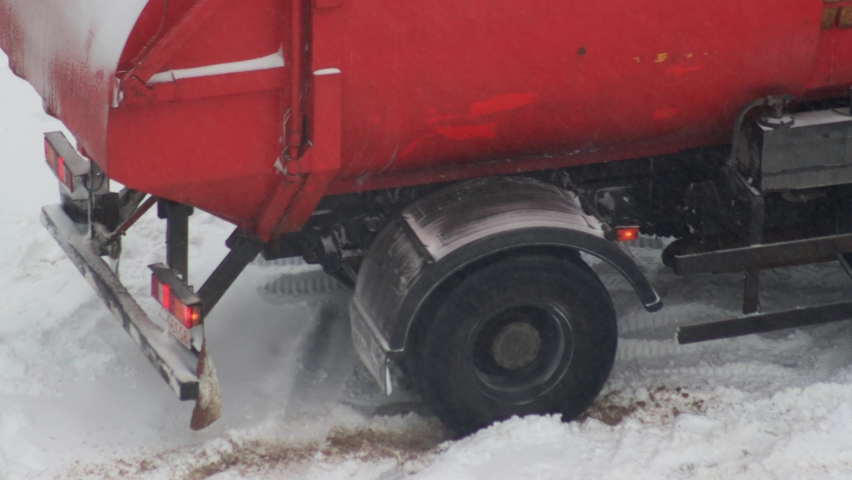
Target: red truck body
[{"x": 213, "y": 103}]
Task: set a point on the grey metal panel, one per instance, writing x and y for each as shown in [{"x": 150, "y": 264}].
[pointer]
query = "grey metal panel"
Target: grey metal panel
[
  {"x": 441, "y": 234},
  {"x": 814, "y": 152}
]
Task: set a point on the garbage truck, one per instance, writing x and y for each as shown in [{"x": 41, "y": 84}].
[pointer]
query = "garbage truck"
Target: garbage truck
[{"x": 452, "y": 162}]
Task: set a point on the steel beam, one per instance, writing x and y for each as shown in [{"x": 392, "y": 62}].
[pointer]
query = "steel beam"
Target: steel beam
[
  {"x": 767, "y": 322},
  {"x": 244, "y": 248},
  {"x": 794, "y": 252}
]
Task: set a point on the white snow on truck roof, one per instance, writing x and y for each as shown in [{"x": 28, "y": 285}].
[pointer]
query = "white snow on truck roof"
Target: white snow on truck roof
[
  {"x": 95, "y": 29},
  {"x": 275, "y": 60}
]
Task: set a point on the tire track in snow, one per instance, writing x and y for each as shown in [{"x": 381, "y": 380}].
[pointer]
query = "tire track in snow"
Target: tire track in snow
[{"x": 302, "y": 283}]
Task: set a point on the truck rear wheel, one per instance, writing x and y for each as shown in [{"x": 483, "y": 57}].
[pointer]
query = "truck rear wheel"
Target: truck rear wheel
[{"x": 527, "y": 334}]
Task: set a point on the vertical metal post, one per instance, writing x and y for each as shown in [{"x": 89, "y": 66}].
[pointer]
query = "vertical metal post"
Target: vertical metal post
[
  {"x": 753, "y": 233},
  {"x": 177, "y": 236},
  {"x": 751, "y": 288},
  {"x": 297, "y": 63},
  {"x": 751, "y": 291}
]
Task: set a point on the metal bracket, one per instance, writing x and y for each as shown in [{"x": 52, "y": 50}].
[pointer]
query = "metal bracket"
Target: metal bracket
[
  {"x": 130, "y": 219},
  {"x": 244, "y": 248},
  {"x": 177, "y": 236}
]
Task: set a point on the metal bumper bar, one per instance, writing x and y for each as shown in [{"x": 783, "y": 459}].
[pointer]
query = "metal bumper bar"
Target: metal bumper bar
[{"x": 177, "y": 365}]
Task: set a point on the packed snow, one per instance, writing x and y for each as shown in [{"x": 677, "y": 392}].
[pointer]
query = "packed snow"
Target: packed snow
[
  {"x": 275, "y": 60},
  {"x": 78, "y": 400}
]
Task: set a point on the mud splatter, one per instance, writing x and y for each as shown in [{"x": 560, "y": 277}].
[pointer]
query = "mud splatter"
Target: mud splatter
[
  {"x": 265, "y": 456},
  {"x": 657, "y": 405}
]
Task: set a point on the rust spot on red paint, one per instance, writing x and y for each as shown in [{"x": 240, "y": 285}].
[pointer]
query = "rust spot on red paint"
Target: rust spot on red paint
[
  {"x": 501, "y": 103},
  {"x": 664, "y": 113},
  {"x": 466, "y": 132},
  {"x": 680, "y": 70}
]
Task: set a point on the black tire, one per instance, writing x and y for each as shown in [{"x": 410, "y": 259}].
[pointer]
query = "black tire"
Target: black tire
[{"x": 527, "y": 334}]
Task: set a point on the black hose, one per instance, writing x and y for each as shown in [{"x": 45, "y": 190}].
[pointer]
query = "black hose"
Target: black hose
[{"x": 738, "y": 126}]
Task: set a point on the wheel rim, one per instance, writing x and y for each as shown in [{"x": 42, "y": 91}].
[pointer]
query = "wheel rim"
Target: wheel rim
[{"x": 520, "y": 352}]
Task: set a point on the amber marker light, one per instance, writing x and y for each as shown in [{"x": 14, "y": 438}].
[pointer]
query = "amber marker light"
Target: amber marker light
[{"x": 626, "y": 234}]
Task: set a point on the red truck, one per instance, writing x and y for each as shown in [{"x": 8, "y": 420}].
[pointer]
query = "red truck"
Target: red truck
[{"x": 450, "y": 161}]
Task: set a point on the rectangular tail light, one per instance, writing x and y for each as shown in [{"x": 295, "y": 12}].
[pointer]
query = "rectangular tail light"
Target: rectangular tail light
[
  {"x": 175, "y": 296},
  {"x": 68, "y": 165}
]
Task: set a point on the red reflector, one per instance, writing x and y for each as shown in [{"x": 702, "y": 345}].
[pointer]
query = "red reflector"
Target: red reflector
[
  {"x": 188, "y": 315},
  {"x": 49, "y": 155},
  {"x": 63, "y": 174},
  {"x": 191, "y": 316},
  {"x": 59, "y": 163},
  {"x": 165, "y": 296},
  {"x": 626, "y": 234}
]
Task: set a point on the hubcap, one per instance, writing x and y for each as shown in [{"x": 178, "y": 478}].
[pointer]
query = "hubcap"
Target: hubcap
[
  {"x": 516, "y": 346},
  {"x": 520, "y": 351}
]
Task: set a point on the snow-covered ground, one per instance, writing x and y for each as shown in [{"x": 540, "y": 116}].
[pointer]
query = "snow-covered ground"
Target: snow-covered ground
[{"x": 78, "y": 400}]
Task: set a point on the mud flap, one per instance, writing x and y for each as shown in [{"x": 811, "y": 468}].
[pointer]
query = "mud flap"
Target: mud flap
[{"x": 208, "y": 409}]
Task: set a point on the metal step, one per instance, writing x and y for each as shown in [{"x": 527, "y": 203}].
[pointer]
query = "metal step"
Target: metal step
[
  {"x": 795, "y": 252},
  {"x": 762, "y": 323}
]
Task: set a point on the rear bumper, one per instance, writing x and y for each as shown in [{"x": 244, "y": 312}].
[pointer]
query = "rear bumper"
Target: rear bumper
[{"x": 177, "y": 365}]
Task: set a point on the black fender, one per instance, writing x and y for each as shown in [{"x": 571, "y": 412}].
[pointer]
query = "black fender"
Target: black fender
[{"x": 441, "y": 234}]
